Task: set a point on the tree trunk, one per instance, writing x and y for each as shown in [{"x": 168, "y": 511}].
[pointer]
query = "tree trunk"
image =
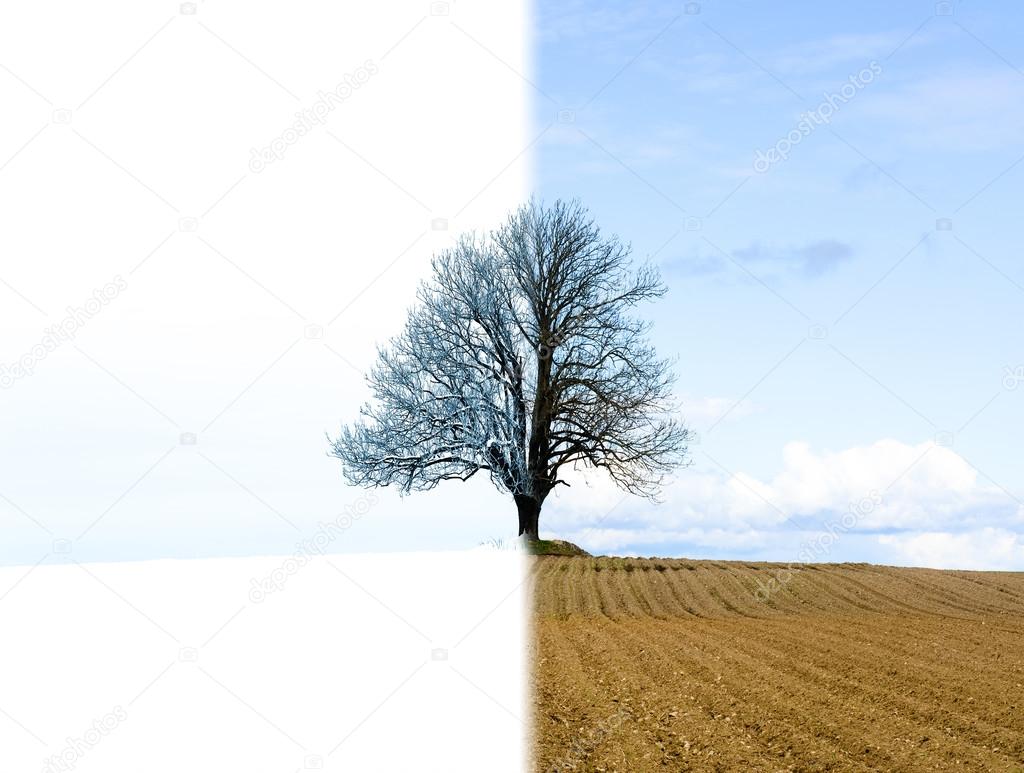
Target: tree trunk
[{"x": 529, "y": 516}]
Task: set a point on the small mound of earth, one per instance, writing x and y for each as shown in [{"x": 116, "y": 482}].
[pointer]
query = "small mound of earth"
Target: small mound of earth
[{"x": 554, "y": 547}]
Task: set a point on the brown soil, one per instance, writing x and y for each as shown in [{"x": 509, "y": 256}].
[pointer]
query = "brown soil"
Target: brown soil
[{"x": 676, "y": 665}]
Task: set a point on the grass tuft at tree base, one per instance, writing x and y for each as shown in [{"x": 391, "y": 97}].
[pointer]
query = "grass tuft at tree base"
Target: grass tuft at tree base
[{"x": 553, "y": 547}]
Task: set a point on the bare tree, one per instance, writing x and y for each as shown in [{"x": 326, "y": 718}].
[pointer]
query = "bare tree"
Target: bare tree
[{"x": 521, "y": 358}]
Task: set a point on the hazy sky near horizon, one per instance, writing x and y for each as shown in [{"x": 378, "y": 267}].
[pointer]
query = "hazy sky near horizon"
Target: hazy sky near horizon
[{"x": 833, "y": 195}]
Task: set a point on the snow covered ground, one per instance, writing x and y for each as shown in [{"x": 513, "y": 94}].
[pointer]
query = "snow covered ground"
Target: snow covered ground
[{"x": 390, "y": 662}]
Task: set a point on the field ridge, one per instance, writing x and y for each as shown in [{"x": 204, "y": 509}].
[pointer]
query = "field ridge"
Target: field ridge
[{"x": 666, "y": 587}]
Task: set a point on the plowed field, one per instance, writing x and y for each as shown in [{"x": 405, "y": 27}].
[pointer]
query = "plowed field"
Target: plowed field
[{"x": 675, "y": 665}]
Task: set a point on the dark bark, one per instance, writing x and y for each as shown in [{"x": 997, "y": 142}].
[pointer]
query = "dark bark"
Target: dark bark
[{"x": 529, "y": 516}]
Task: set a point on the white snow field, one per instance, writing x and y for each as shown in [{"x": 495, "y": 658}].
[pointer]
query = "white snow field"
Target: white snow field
[{"x": 389, "y": 662}]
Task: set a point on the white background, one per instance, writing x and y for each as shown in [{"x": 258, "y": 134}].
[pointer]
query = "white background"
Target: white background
[
  {"x": 354, "y": 663},
  {"x": 253, "y": 301},
  {"x": 188, "y": 417}
]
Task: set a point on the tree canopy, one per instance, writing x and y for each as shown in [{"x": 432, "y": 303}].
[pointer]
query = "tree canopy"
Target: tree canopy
[{"x": 522, "y": 358}]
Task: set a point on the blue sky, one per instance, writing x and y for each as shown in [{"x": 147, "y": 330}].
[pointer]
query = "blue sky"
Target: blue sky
[{"x": 839, "y": 314}]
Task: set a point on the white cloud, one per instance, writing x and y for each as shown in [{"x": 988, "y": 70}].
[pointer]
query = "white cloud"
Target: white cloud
[
  {"x": 615, "y": 540},
  {"x": 988, "y": 548},
  {"x": 925, "y": 500},
  {"x": 917, "y": 485}
]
